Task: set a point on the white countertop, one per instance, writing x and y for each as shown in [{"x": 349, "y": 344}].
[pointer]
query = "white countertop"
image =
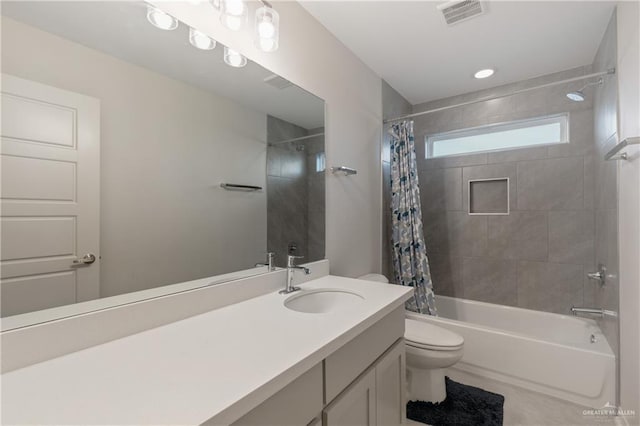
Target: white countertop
[{"x": 218, "y": 365}]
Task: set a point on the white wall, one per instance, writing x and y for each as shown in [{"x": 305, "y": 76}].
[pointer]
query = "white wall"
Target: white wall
[
  {"x": 628, "y": 15},
  {"x": 165, "y": 148},
  {"x": 312, "y": 58}
]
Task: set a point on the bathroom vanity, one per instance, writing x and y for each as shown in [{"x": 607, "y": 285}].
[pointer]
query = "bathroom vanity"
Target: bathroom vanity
[
  {"x": 361, "y": 383},
  {"x": 255, "y": 361}
]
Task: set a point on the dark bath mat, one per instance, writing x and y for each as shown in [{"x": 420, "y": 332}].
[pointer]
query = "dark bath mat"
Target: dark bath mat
[{"x": 464, "y": 406}]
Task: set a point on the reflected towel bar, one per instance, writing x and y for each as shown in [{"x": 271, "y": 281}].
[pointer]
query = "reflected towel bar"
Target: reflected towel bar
[
  {"x": 343, "y": 169},
  {"x": 301, "y": 138},
  {"x": 236, "y": 187},
  {"x": 611, "y": 155}
]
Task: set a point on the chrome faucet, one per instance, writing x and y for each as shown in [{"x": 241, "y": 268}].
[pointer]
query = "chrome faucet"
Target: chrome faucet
[
  {"x": 291, "y": 267},
  {"x": 594, "y": 311},
  {"x": 600, "y": 275},
  {"x": 270, "y": 256}
]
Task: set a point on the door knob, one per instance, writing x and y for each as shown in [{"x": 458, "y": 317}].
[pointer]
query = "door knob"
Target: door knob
[{"x": 87, "y": 259}]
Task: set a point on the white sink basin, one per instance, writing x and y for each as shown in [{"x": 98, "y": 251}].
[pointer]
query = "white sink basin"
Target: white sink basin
[{"x": 323, "y": 300}]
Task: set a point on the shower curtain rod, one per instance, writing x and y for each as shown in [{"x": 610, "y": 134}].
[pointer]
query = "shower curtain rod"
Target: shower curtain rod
[
  {"x": 490, "y": 98},
  {"x": 296, "y": 139}
]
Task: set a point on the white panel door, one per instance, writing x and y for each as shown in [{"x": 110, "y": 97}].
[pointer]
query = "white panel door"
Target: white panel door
[{"x": 50, "y": 196}]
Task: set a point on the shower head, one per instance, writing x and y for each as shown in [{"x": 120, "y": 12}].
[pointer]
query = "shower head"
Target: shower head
[{"x": 578, "y": 95}]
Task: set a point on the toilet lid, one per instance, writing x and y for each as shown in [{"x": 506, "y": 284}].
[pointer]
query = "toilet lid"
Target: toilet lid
[{"x": 424, "y": 334}]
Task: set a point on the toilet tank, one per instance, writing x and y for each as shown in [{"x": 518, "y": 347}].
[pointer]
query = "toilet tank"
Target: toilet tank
[{"x": 374, "y": 277}]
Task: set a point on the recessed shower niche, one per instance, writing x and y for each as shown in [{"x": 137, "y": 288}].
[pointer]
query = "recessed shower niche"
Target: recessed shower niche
[{"x": 489, "y": 196}]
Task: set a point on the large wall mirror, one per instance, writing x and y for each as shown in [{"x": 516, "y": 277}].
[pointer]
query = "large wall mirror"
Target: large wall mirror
[{"x": 117, "y": 140}]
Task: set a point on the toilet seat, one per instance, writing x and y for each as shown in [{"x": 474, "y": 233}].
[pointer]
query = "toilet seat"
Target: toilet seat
[
  {"x": 432, "y": 347},
  {"x": 422, "y": 335}
]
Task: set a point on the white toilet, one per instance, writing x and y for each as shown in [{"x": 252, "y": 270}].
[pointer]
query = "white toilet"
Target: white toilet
[{"x": 430, "y": 351}]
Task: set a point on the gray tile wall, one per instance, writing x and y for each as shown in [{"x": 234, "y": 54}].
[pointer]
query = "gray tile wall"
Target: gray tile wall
[
  {"x": 538, "y": 255},
  {"x": 295, "y": 193},
  {"x": 315, "y": 198},
  {"x": 606, "y": 186},
  {"x": 393, "y": 105}
]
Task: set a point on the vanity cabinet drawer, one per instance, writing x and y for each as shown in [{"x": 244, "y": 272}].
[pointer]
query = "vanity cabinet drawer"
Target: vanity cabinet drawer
[
  {"x": 299, "y": 403},
  {"x": 347, "y": 363}
]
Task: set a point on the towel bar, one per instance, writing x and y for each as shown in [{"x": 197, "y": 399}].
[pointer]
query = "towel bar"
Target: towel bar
[
  {"x": 236, "y": 187},
  {"x": 343, "y": 169}
]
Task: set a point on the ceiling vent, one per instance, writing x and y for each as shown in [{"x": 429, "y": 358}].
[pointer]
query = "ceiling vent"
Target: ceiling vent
[
  {"x": 277, "y": 82},
  {"x": 461, "y": 10}
]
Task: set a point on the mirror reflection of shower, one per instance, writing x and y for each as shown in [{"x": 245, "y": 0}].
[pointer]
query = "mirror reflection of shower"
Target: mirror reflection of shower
[
  {"x": 295, "y": 183},
  {"x": 578, "y": 95}
]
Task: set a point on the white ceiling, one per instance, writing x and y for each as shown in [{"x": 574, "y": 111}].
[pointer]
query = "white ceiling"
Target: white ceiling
[
  {"x": 409, "y": 45},
  {"x": 120, "y": 29}
]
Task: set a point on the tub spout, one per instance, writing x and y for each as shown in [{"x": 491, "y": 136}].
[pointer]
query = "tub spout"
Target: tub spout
[{"x": 594, "y": 311}]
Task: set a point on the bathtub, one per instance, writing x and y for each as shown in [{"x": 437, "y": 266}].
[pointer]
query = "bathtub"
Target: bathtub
[{"x": 544, "y": 352}]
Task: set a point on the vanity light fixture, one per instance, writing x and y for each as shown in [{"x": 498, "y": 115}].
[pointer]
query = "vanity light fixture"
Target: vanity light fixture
[
  {"x": 267, "y": 29},
  {"x": 234, "y": 14},
  {"x": 160, "y": 19},
  {"x": 201, "y": 40},
  {"x": 487, "y": 72},
  {"x": 234, "y": 58}
]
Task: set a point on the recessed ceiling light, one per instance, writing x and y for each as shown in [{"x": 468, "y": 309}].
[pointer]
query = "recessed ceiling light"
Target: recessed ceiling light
[{"x": 487, "y": 72}]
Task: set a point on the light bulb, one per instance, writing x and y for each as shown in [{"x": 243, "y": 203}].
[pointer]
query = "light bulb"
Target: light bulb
[
  {"x": 232, "y": 22},
  {"x": 234, "y": 7},
  {"x": 266, "y": 44},
  {"x": 234, "y": 58},
  {"x": 160, "y": 19},
  {"x": 234, "y": 13},
  {"x": 200, "y": 40},
  {"x": 267, "y": 30}
]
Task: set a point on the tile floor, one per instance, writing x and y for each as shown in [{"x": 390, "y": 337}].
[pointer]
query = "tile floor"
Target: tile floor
[{"x": 528, "y": 408}]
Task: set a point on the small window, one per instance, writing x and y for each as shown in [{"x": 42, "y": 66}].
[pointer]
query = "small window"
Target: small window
[
  {"x": 320, "y": 162},
  {"x": 495, "y": 137}
]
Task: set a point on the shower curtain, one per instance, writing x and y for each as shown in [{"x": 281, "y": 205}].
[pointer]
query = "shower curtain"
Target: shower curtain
[{"x": 410, "y": 263}]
